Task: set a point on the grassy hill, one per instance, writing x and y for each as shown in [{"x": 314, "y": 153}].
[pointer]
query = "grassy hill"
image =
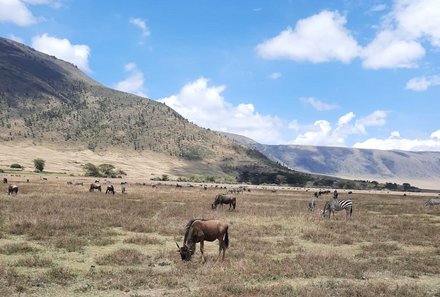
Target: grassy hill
[{"x": 50, "y": 103}]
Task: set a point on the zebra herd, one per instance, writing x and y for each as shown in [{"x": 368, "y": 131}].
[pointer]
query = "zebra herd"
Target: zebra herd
[{"x": 336, "y": 204}]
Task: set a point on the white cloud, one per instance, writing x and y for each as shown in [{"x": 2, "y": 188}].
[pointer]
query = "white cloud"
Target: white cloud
[
  {"x": 378, "y": 8},
  {"x": 275, "y": 75},
  {"x": 134, "y": 83},
  {"x": 77, "y": 54},
  {"x": 205, "y": 106},
  {"x": 395, "y": 142},
  {"x": 16, "y": 38},
  {"x": 294, "y": 125},
  {"x": 419, "y": 19},
  {"x": 388, "y": 50},
  {"x": 140, "y": 23},
  {"x": 15, "y": 11},
  {"x": 323, "y": 133},
  {"x": 399, "y": 42},
  {"x": 319, "y": 38},
  {"x": 345, "y": 119},
  {"x": 423, "y": 83},
  {"x": 317, "y": 104}
]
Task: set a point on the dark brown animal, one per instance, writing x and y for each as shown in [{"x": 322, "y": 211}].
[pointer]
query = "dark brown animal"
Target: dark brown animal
[
  {"x": 5, "y": 180},
  {"x": 12, "y": 189},
  {"x": 110, "y": 189},
  {"x": 199, "y": 230},
  {"x": 94, "y": 187},
  {"x": 224, "y": 199}
]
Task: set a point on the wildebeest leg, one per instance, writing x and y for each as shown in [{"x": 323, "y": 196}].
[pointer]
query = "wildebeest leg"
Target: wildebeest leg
[{"x": 202, "y": 248}]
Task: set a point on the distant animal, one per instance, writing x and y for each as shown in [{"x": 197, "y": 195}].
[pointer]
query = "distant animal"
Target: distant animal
[
  {"x": 432, "y": 202},
  {"x": 5, "y": 180},
  {"x": 110, "y": 189},
  {"x": 69, "y": 183},
  {"x": 335, "y": 194},
  {"x": 44, "y": 178},
  {"x": 123, "y": 188},
  {"x": 12, "y": 189},
  {"x": 199, "y": 230},
  {"x": 337, "y": 205},
  {"x": 179, "y": 186},
  {"x": 94, "y": 187},
  {"x": 224, "y": 199},
  {"x": 350, "y": 192},
  {"x": 312, "y": 204}
]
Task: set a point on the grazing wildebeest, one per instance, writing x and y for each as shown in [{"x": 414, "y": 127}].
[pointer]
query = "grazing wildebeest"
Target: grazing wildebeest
[
  {"x": 199, "y": 230},
  {"x": 224, "y": 199},
  {"x": 12, "y": 189},
  {"x": 5, "y": 180},
  {"x": 94, "y": 187},
  {"x": 110, "y": 189},
  {"x": 432, "y": 202},
  {"x": 337, "y": 205}
]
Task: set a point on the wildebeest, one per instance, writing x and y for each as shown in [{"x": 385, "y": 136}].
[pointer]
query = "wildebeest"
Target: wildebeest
[
  {"x": 337, "y": 205},
  {"x": 110, "y": 189},
  {"x": 5, "y": 180},
  {"x": 199, "y": 230},
  {"x": 432, "y": 202},
  {"x": 12, "y": 189},
  {"x": 94, "y": 187},
  {"x": 224, "y": 199}
]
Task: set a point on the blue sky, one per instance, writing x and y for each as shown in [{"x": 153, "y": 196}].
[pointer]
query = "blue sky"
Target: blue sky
[{"x": 335, "y": 73}]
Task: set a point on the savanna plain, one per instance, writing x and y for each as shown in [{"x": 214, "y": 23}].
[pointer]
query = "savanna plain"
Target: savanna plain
[{"x": 59, "y": 239}]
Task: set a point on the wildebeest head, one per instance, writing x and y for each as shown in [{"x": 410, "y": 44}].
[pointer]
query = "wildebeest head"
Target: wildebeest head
[{"x": 185, "y": 252}]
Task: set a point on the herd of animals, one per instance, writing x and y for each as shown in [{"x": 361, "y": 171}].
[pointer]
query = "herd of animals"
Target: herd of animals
[{"x": 200, "y": 230}]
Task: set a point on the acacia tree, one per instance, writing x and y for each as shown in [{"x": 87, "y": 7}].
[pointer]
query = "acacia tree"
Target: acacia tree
[
  {"x": 39, "y": 164},
  {"x": 91, "y": 170}
]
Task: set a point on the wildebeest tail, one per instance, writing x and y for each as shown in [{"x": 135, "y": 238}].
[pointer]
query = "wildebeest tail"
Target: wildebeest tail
[
  {"x": 351, "y": 210},
  {"x": 226, "y": 238}
]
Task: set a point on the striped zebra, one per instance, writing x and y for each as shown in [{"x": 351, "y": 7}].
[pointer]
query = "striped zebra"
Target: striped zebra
[
  {"x": 337, "y": 205},
  {"x": 432, "y": 202}
]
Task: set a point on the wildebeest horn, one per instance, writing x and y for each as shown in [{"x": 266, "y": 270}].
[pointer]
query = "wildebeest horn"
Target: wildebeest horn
[{"x": 177, "y": 245}]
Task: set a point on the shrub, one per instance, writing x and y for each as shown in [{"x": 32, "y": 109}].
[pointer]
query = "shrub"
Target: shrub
[
  {"x": 91, "y": 170},
  {"x": 16, "y": 166},
  {"x": 39, "y": 164}
]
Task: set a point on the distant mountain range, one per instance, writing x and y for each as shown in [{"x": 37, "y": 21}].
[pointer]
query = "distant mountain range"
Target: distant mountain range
[{"x": 421, "y": 169}]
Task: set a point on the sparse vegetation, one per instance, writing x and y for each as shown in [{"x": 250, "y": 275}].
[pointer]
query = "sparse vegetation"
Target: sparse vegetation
[
  {"x": 103, "y": 170},
  {"x": 89, "y": 244}
]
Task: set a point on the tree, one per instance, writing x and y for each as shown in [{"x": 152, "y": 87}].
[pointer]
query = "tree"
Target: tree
[
  {"x": 39, "y": 164},
  {"x": 91, "y": 170},
  {"x": 107, "y": 170}
]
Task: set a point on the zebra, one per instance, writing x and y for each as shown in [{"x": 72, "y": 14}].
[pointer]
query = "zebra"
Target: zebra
[
  {"x": 432, "y": 202},
  {"x": 337, "y": 205}
]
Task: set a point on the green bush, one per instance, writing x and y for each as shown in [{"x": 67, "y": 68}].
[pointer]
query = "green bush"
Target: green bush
[
  {"x": 16, "y": 166},
  {"x": 39, "y": 164}
]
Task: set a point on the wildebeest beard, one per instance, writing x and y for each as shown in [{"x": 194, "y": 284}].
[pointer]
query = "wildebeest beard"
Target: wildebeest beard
[{"x": 186, "y": 252}]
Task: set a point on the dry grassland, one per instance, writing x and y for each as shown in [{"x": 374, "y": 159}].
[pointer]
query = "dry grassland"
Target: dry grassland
[{"x": 61, "y": 240}]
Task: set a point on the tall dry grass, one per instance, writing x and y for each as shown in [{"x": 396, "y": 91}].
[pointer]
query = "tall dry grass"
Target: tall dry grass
[{"x": 58, "y": 237}]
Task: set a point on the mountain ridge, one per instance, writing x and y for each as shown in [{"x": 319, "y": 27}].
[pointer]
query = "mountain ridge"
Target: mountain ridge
[{"x": 419, "y": 168}]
